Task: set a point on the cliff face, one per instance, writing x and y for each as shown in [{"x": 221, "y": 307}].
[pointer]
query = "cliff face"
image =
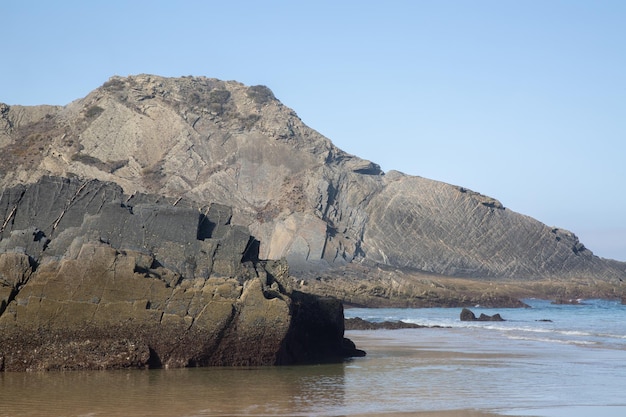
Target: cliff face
[
  {"x": 303, "y": 199},
  {"x": 93, "y": 278},
  {"x": 201, "y": 139},
  {"x": 149, "y": 224},
  {"x": 457, "y": 232}
]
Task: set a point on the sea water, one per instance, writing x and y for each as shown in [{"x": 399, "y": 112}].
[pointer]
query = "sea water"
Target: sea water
[
  {"x": 598, "y": 323},
  {"x": 547, "y": 360}
]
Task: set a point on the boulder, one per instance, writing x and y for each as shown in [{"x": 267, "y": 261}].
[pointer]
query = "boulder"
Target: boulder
[
  {"x": 468, "y": 315},
  {"x": 143, "y": 282}
]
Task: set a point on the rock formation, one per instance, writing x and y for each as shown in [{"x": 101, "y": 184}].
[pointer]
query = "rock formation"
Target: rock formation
[
  {"x": 331, "y": 215},
  {"x": 468, "y": 315},
  {"x": 93, "y": 278},
  {"x": 358, "y": 323}
]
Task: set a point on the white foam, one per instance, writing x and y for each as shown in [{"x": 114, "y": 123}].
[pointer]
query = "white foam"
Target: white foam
[{"x": 549, "y": 340}]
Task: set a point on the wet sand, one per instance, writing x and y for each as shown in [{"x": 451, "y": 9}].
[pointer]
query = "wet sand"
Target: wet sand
[
  {"x": 384, "y": 343},
  {"x": 437, "y": 347},
  {"x": 414, "y": 372},
  {"x": 441, "y": 413}
]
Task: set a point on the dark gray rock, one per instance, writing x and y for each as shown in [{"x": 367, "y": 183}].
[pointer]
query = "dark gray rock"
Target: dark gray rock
[
  {"x": 302, "y": 198},
  {"x": 51, "y": 214},
  {"x": 358, "y": 323},
  {"x": 468, "y": 315}
]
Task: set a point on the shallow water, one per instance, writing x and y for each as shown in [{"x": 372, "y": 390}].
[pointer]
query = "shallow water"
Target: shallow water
[
  {"x": 574, "y": 365},
  {"x": 178, "y": 392},
  {"x": 548, "y": 360}
]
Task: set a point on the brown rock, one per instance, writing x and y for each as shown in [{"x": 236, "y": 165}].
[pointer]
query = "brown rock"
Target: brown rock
[
  {"x": 95, "y": 312},
  {"x": 146, "y": 284}
]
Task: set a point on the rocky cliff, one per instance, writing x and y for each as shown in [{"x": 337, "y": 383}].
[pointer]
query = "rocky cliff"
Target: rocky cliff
[
  {"x": 93, "y": 278},
  {"x": 304, "y": 200}
]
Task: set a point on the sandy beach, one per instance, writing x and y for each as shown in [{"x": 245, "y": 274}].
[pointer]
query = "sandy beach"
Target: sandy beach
[
  {"x": 390, "y": 343},
  {"x": 521, "y": 367},
  {"x": 547, "y": 361}
]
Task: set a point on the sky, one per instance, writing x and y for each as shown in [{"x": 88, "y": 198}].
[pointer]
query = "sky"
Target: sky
[{"x": 523, "y": 101}]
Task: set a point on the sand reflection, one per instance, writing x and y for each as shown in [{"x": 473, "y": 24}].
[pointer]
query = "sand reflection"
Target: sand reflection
[{"x": 302, "y": 390}]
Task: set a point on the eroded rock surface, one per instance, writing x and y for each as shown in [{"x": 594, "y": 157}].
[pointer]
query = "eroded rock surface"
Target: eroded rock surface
[
  {"x": 468, "y": 315},
  {"x": 347, "y": 229},
  {"x": 93, "y": 278},
  {"x": 304, "y": 199}
]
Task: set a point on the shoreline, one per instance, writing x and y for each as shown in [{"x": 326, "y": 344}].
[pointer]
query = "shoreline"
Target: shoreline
[
  {"x": 417, "y": 289},
  {"x": 460, "y": 353},
  {"x": 440, "y": 413}
]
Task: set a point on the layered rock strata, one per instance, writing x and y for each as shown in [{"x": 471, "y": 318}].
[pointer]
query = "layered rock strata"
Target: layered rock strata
[
  {"x": 93, "y": 278},
  {"x": 304, "y": 199},
  {"x": 347, "y": 229}
]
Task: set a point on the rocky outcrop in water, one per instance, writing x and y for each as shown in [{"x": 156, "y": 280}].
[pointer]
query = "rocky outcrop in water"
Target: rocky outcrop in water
[
  {"x": 468, "y": 315},
  {"x": 358, "y": 323},
  {"x": 92, "y": 278}
]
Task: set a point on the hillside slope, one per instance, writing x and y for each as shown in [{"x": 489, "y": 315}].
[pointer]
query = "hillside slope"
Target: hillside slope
[{"x": 303, "y": 198}]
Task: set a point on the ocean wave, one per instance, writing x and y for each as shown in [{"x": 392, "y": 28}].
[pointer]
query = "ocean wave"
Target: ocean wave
[
  {"x": 596, "y": 323},
  {"x": 507, "y": 327},
  {"x": 571, "y": 333},
  {"x": 550, "y": 340}
]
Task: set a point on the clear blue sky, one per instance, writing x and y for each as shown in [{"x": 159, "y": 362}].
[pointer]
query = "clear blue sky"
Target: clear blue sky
[{"x": 524, "y": 101}]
